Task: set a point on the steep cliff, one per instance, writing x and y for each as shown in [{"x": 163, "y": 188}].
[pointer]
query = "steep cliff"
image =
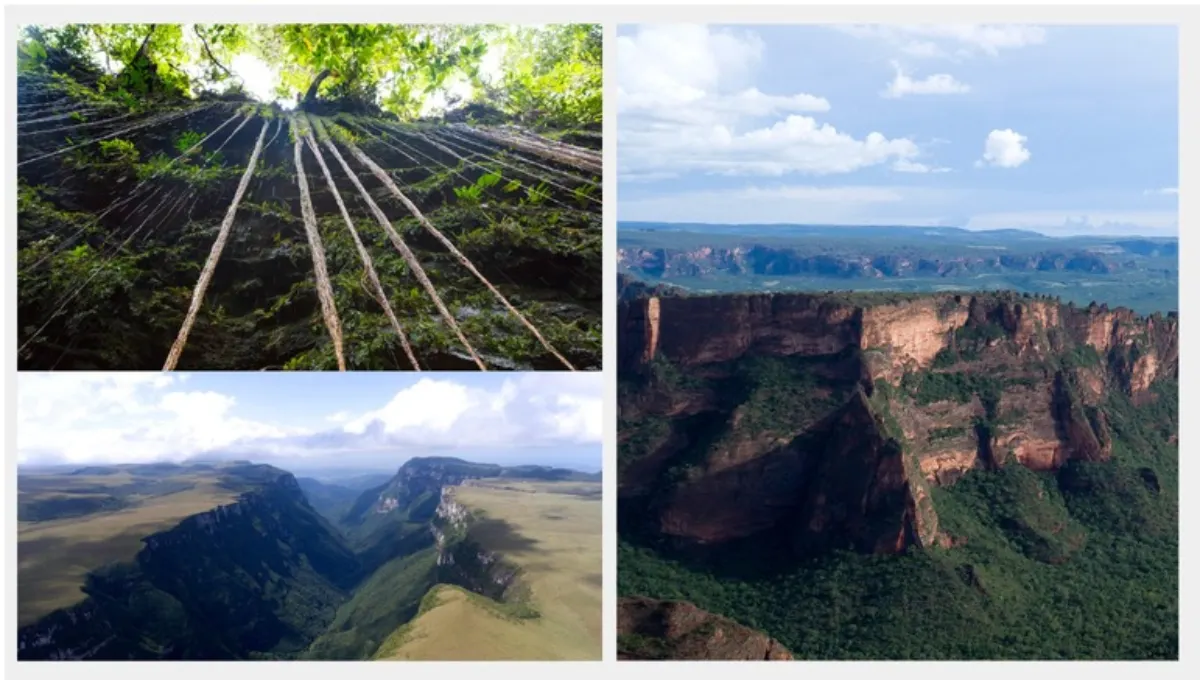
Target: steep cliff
[
  {"x": 867, "y": 476},
  {"x": 782, "y": 260},
  {"x": 463, "y": 562},
  {"x": 257, "y": 578},
  {"x": 833, "y": 415}
]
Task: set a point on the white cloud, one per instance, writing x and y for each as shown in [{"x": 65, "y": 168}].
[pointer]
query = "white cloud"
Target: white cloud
[
  {"x": 1004, "y": 149},
  {"x": 687, "y": 103},
  {"x": 134, "y": 418},
  {"x": 528, "y": 410},
  {"x": 1164, "y": 191},
  {"x": 124, "y": 417},
  {"x": 939, "y": 83},
  {"x": 905, "y": 165},
  {"x": 950, "y": 40}
]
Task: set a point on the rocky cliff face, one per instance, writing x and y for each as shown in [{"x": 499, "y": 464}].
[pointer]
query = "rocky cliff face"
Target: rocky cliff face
[
  {"x": 461, "y": 560},
  {"x": 766, "y": 260},
  {"x": 262, "y": 575},
  {"x": 833, "y": 415},
  {"x": 679, "y": 631}
]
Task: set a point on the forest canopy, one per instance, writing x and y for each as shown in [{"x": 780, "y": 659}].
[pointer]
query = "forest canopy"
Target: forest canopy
[
  {"x": 548, "y": 73},
  {"x": 309, "y": 197}
]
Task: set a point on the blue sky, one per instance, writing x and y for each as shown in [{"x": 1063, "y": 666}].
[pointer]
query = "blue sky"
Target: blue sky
[
  {"x": 305, "y": 421},
  {"x": 1060, "y": 129}
]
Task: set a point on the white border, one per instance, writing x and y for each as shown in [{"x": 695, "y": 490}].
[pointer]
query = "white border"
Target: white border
[{"x": 1179, "y": 12}]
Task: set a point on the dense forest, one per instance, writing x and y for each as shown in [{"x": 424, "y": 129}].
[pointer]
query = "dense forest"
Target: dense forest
[
  {"x": 1076, "y": 562},
  {"x": 318, "y": 197}
]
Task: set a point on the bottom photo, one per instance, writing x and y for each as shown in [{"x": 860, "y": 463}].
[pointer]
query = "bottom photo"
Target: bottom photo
[{"x": 352, "y": 516}]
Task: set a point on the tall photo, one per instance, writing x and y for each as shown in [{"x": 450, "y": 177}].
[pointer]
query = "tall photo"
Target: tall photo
[{"x": 899, "y": 342}]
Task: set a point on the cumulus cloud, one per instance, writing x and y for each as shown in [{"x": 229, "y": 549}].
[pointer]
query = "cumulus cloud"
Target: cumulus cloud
[
  {"x": 940, "y": 83},
  {"x": 687, "y": 103},
  {"x": 1004, "y": 149},
  {"x": 133, "y": 418},
  {"x": 126, "y": 417},
  {"x": 533, "y": 408},
  {"x": 950, "y": 40}
]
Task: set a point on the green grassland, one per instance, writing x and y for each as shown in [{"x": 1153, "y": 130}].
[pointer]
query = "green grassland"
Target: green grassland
[
  {"x": 552, "y": 532},
  {"x": 56, "y": 553}
]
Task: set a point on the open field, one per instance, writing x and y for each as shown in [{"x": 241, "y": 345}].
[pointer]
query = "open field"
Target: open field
[
  {"x": 55, "y": 556},
  {"x": 552, "y": 531}
]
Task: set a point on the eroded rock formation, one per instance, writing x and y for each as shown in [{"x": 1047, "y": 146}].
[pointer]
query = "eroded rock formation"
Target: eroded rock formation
[{"x": 830, "y": 416}]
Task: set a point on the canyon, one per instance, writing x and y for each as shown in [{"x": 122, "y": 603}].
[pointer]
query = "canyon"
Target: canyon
[
  {"x": 801, "y": 425},
  {"x": 265, "y": 574}
]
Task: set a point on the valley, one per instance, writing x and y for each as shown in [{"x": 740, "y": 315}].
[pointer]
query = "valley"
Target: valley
[
  {"x": 866, "y": 475},
  {"x": 245, "y": 561}
]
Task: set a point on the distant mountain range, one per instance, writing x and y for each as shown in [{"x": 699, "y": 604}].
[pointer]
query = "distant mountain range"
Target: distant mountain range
[{"x": 1140, "y": 273}]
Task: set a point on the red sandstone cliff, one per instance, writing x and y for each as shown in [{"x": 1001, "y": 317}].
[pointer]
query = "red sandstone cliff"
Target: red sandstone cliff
[{"x": 858, "y": 474}]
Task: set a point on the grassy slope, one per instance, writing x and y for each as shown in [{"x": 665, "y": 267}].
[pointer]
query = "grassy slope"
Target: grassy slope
[
  {"x": 55, "y": 556},
  {"x": 391, "y": 596},
  {"x": 553, "y": 534}
]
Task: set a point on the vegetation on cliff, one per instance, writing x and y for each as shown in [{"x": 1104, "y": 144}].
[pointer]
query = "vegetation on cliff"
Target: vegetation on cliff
[
  {"x": 231, "y": 561},
  {"x": 407, "y": 196},
  {"x": 1023, "y": 503}
]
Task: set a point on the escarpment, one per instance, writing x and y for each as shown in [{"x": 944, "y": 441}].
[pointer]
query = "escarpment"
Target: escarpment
[
  {"x": 258, "y": 577},
  {"x": 826, "y": 421},
  {"x": 461, "y": 560}
]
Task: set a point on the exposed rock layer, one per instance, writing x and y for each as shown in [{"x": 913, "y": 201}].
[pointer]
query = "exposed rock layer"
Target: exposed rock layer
[
  {"x": 680, "y": 631},
  {"x": 828, "y": 417}
]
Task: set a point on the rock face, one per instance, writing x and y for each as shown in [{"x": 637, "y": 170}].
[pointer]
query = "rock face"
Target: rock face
[
  {"x": 654, "y": 629},
  {"x": 695, "y": 330},
  {"x": 417, "y": 485},
  {"x": 765, "y": 260},
  {"x": 263, "y": 575},
  {"x": 462, "y": 561},
  {"x": 829, "y": 417}
]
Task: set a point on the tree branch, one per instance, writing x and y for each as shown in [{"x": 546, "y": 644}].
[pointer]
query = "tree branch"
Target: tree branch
[
  {"x": 213, "y": 59},
  {"x": 312, "y": 89},
  {"x": 145, "y": 42}
]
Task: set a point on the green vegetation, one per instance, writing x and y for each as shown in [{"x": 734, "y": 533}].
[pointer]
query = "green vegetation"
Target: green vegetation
[
  {"x": 1088, "y": 572},
  {"x": 175, "y": 578},
  {"x": 106, "y": 516},
  {"x": 1080, "y": 562},
  {"x": 548, "y": 534},
  {"x": 389, "y": 598},
  {"x": 119, "y": 208},
  {"x": 785, "y": 396},
  {"x": 258, "y": 573}
]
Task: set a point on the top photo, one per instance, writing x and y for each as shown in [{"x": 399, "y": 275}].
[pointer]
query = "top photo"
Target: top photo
[{"x": 310, "y": 197}]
